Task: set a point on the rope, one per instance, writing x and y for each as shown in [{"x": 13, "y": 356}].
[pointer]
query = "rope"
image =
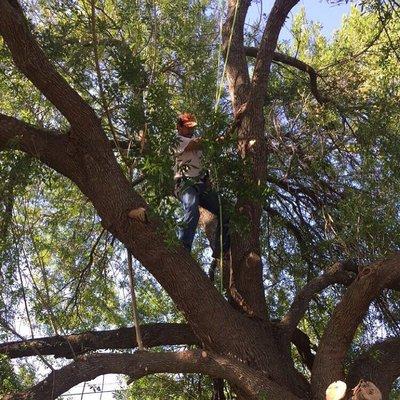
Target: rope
[
  {"x": 221, "y": 84},
  {"x": 135, "y": 313},
  {"x": 218, "y": 95}
]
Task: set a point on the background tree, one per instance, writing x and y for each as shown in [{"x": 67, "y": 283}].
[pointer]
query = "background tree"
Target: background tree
[{"x": 313, "y": 200}]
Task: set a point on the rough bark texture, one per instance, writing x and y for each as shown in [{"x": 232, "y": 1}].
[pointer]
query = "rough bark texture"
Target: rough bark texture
[
  {"x": 336, "y": 274},
  {"x": 140, "y": 364},
  {"x": 340, "y": 330},
  {"x": 70, "y": 346},
  {"x": 380, "y": 364}
]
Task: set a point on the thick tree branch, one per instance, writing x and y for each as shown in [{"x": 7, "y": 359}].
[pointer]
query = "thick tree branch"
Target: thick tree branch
[
  {"x": 247, "y": 268},
  {"x": 340, "y": 330},
  {"x": 50, "y": 147},
  {"x": 265, "y": 55},
  {"x": 298, "y": 64},
  {"x": 337, "y": 273},
  {"x": 160, "y": 334},
  {"x": 379, "y": 364},
  {"x": 123, "y": 338},
  {"x": 232, "y": 42},
  {"x": 31, "y": 60},
  {"x": 100, "y": 178},
  {"x": 252, "y": 382}
]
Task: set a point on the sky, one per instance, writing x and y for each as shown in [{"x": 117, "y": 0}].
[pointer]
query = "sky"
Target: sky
[
  {"x": 330, "y": 17},
  {"x": 327, "y": 14}
]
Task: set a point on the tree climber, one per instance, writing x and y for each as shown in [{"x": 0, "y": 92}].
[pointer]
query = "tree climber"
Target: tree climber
[{"x": 193, "y": 187}]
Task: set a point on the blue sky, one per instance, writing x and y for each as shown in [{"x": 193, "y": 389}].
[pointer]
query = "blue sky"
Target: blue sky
[{"x": 328, "y": 15}]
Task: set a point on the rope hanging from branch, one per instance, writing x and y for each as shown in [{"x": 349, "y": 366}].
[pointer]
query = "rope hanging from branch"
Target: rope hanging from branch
[{"x": 135, "y": 314}]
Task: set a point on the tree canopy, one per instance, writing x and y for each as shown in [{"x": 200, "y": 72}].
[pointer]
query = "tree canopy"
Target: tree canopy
[{"x": 309, "y": 174}]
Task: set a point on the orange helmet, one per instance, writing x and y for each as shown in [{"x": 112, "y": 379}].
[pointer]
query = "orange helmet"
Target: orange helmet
[{"x": 188, "y": 120}]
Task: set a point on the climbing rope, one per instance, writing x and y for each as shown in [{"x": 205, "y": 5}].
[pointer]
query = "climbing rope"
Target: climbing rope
[
  {"x": 218, "y": 95},
  {"x": 221, "y": 84},
  {"x": 135, "y": 314}
]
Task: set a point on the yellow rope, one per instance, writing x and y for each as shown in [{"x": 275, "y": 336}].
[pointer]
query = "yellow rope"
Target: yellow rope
[
  {"x": 218, "y": 95},
  {"x": 221, "y": 84}
]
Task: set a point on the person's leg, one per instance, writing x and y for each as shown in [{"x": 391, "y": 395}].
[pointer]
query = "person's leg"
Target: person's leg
[
  {"x": 189, "y": 198},
  {"x": 208, "y": 199}
]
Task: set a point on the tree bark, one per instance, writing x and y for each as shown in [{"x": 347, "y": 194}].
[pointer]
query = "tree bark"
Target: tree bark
[
  {"x": 380, "y": 364},
  {"x": 340, "y": 330},
  {"x": 86, "y": 368},
  {"x": 247, "y": 349},
  {"x": 92, "y": 166},
  {"x": 69, "y": 346}
]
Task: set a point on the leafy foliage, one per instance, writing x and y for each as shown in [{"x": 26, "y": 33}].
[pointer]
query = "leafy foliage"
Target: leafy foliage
[{"x": 333, "y": 173}]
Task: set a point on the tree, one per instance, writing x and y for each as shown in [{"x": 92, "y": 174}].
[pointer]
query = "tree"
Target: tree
[{"x": 236, "y": 338}]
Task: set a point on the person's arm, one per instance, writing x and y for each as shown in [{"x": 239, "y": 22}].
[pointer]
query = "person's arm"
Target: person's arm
[{"x": 194, "y": 145}]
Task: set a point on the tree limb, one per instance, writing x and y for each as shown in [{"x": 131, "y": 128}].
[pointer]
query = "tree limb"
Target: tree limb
[
  {"x": 49, "y": 146},
  {"x": 265, "y": 55},
  {"x": 298, "y": 64},
  {"x": 232, "y": 39},
  {"x": 379, "y": 364},
  {"x": 157, "y": 334},
  {"x": 140, "y": 364},
  {"x": 337, "y": 273},
  {"x": 31, "y": 60},
  {"x": 100, "y": 178},
  {"x": 340, "y": 330},
  {"x": 122, "y": 338}
]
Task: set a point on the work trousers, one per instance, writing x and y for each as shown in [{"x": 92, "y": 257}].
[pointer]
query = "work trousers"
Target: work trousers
[{"x": 192, "y": 196}]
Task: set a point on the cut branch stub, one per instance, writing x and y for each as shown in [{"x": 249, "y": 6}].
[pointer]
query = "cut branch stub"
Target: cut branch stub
[
  {"x": 340, "y": 330},
  {"x": 366, "y": 390}
]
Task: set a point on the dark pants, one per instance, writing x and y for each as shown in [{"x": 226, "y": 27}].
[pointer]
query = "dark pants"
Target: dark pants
[{"x": 192, "y": 195}]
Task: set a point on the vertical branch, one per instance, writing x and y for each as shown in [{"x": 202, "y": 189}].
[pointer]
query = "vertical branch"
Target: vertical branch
[
  {"x": 236, "y": 64},
  {"x": 248, "y": 102}
]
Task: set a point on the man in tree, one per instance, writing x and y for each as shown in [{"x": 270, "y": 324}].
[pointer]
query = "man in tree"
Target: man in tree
[{"x": 193, "y": 188}]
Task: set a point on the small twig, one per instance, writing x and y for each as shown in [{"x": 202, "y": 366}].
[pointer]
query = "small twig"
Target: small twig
[{"x": 84, "y": 271}]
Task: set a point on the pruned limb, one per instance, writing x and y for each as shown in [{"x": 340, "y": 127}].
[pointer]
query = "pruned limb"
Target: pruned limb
[
  {"x": 140, "y": 364},
  {"x": 379, "y": 364},
  {"x": 340, "y": 330},
  {"x": 122, "y": 338},
  {"x": 298, "y": 64},
  {"x": 337, "y": 273},
  {"x": 138, "y": 214}
]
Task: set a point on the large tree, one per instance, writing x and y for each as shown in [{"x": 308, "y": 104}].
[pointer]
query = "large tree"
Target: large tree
[{"x": 301, "y": 162}]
